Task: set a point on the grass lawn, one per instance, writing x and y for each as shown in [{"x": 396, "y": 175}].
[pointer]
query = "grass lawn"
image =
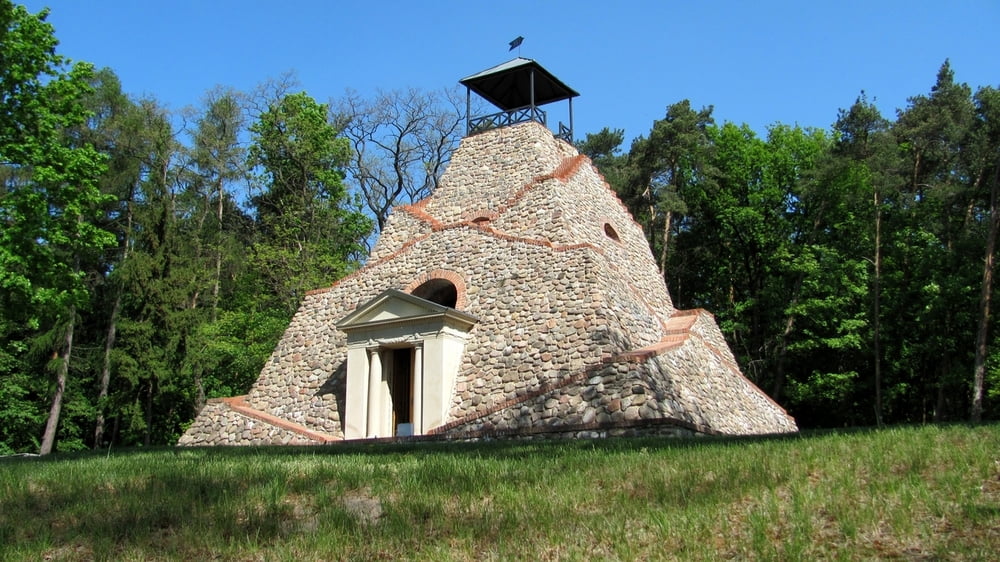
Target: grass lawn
[{"x": 906, "y": 493}]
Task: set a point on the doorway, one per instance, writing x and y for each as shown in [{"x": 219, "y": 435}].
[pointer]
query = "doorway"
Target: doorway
[{"x": 401, "y": 390}]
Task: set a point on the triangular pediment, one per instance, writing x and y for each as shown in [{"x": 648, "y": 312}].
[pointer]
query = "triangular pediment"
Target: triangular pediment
[{"x": 393, "y": 306}]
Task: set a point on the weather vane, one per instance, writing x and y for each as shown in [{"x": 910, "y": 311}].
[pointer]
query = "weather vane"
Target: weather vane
[{"x": 516, "y": 44}]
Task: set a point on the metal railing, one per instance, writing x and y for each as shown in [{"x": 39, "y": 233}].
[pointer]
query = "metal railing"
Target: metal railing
[
  {"x": 505, "y": 118},
  {"x": 565, "y": 133}
]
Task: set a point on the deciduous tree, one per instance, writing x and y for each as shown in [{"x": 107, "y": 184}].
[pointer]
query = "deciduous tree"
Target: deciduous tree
[
  {"x": 51, "y": 201},
  {"x": 402, "y": 141}
]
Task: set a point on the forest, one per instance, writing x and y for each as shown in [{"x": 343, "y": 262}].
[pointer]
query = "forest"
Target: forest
[{"x": 150, "y": 260}]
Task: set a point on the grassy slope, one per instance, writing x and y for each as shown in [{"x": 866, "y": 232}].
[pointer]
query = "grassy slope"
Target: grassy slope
[{"x": 906, "y": 493}]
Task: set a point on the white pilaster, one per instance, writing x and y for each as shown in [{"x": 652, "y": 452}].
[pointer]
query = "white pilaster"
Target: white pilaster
[
  {"x": 374, "y": 391},
  {"x": 418, "y": 389}
]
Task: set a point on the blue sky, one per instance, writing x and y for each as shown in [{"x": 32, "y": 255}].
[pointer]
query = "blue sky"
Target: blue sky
[{"x": 757, "y": 62}]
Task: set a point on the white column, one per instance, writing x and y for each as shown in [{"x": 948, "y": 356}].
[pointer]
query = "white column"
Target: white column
[
  {"x": 374, "y": 391},
  {"x": 356, "y": 415},
  {"x": 418, "y": 389}
]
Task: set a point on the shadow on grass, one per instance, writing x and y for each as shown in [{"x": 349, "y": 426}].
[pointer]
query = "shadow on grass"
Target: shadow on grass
[
  {"x": 156, "y": 501},
  {"x": 187, "y": 500},
  {"x": 492, "y": 448}
]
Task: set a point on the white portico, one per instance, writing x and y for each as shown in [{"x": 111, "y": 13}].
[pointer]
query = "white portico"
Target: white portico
[{"x": 403, "y": 354}]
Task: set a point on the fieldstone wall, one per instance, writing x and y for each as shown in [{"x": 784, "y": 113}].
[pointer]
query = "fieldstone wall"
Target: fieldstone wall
[
  {"x": 490, "y": 168},
  {"x": 218, "y": 424},
  {"x": 541, "y": 212},
  {"x": 542, "y": 313},
  {"x": 401, "y": 227},
  {"x": 691, "y": 384},
  {"x": 576, "y": 328}
]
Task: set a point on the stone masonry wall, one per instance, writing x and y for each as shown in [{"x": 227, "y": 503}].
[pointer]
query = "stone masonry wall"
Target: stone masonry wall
[
  {"x": 217, "y": 424},
  {"x": 489, "y": 168},
  {"x": 537, "y": 208},
  {"x": 400, "y": 228},
  {"x": 540, "y": 316},
  {"x": 688, "y": 384},
  {"x": 557, "y": 296},
  {"x": 542, "y": 212},
  {"x": 641, "y": 428},
  {"x": 544, "y": 311}
]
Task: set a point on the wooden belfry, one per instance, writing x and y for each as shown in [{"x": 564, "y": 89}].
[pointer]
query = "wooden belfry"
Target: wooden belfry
[{"x": 519, "y": 88}]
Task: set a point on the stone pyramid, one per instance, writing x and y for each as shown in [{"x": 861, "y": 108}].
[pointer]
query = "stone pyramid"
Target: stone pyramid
[{"x": 520, "y": 299}]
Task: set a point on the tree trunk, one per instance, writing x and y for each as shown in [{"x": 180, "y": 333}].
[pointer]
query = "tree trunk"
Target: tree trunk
[
  {"x": 199, "y": 381},
  {"x": 666, "y": 240},
  {"x": 218, "y": 253},
  {"x": 979, "y": 370},
  {"x": 109, "y": 343},
  {"x": 147, "y": 437},
  {"x": 878, "y": 311},
  {"x": 199, "y": 385},
  {"x": 102, "y": 394},
  {"x": 940, "y": 401},
  {"x": 647, "y": 195},
  {"x": 49, "y": 437},
  {"x": 779, "y": 375}
]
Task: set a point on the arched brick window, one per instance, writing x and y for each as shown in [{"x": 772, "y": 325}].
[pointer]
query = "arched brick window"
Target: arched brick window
[
  {"x": 479, "y": 217},
  {"x": 440, "y": 291},
  {"x": 440, "y": 286}
]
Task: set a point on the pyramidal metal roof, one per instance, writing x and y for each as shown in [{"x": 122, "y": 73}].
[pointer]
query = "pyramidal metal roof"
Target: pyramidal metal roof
[{"x": 508, "y": 85}]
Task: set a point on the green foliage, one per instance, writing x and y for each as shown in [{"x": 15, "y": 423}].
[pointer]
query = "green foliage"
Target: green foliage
[
  {"x": 604, "y": 149},
  {"x": 233, "y": 349},
  {"x": 843, "y": 268},
  {"x": 50, "y": 209},
  {"x": 824, "y": 390},
  {"x": 173, "y": 292},
  {"x": 50, "y": 191},
  {"x": 21, "y": 414},
  {"x": 307, "y": 238},
  {"x": 663, "y": 169}
]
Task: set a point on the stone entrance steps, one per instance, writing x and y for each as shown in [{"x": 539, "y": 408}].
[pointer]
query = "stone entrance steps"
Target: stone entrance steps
[{"x": 677, "y": 330}]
